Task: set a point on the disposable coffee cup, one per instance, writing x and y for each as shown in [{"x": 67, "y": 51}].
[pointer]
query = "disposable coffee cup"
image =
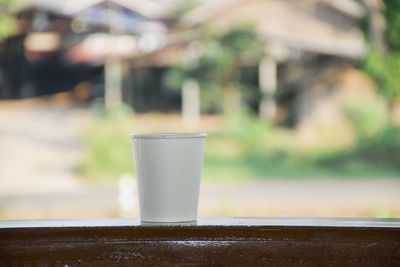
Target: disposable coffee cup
[{"x": 168, "y": 170}]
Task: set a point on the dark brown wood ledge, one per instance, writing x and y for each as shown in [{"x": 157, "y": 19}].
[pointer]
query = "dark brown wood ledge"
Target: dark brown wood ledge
[{"x": 208, "y": 242}]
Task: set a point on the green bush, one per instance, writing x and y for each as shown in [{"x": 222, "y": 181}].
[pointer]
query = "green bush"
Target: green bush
[
  {"x": 377, "y": 148},
  {"x": 369, "y": 118},
  {"x": 108, "y": 149},
  {"x": 247, "y": 147},
  {"x": 385, "y": 70},
  {"x": 378, "y": 138},
  {"x": 245, "y": 128}
]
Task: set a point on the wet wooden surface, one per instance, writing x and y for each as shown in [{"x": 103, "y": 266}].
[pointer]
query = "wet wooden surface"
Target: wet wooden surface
[{"x": 209, "y": 241}]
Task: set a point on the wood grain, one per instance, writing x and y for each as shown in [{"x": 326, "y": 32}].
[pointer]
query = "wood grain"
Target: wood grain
[{"x": 204, "y": 244}]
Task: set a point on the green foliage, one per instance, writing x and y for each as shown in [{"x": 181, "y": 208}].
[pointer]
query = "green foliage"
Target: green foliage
[
  {"x": 378, "y": 138},
  {"x": 179, "y": 9},
  {"x": 392, "y": 14},
  {"x": 245, "y": 128},
  {"x": 262, "y": 150},
  {"x": 369, "y": 119},
  {"x": 7, "y": 26},
  {"x": 378, "y": 141},
  {"x": 379, "y": 212},
  {"x": 216, "y": 67},
  {"x": 247, "y": 147},
  {"x": 108, "y": 148},
  {"x": 239, "y": 39},
  {"x": 174, "y": 78},
  {"x": 8, "y": 23},
  {"x": 385, "y": 70}
]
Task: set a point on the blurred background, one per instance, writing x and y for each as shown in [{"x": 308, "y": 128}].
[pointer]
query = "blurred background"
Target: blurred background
[{"x": 301, "y": 100}]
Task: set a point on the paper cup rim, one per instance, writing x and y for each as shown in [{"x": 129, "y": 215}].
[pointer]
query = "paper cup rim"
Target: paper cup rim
[{"x": 167, "y": 135}]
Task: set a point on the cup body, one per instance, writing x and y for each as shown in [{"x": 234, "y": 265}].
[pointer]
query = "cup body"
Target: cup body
[{"x": 168, "y": 170}]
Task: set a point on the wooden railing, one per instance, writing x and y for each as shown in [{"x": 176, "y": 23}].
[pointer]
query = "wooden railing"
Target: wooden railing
[{"x": 210, "y": 241}]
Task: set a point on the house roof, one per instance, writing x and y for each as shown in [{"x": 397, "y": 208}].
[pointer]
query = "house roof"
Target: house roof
[
  {"x": 145, "y": 8},
  {"x": 349, "y": 7},
  {"x": 126, "y": 17},
  {"x": 288, "y": 22}
]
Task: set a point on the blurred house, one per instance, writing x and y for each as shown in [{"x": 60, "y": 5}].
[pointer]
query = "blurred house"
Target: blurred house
[
  {"x": 121, "y": 49},
  {"x": 318, "y": 26},
  {"x": 60, "y": 46},
  {"x": 302, "y": 39}
]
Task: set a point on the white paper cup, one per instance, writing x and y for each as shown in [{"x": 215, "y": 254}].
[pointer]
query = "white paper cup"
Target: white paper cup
[{"x": 168, "y": 170}]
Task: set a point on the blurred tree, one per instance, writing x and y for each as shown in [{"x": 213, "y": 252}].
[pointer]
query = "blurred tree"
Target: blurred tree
[
  {"x": 179, "y": 9},
  {"x": 215, "y": 64},
  {"x": 8, "y": 23},
  {"x": 383, "y": 65},
  {"x": 392, "y": 14},
  {"x": 385, "y": 70}
]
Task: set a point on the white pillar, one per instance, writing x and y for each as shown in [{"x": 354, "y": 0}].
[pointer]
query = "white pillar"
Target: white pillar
[
  {"x": 376, "y": 23},
  {"x": 191, "y": 103},
  {"x": 113, "y": 82},
  {"x": 268, "y": 84}
]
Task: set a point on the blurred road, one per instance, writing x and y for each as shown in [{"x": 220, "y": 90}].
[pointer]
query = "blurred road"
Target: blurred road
[
  {"x": 40, "y": 147},
  {"x": 302, "y": 198}
]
